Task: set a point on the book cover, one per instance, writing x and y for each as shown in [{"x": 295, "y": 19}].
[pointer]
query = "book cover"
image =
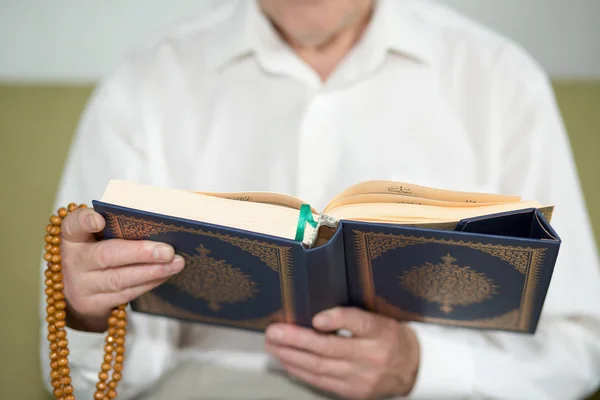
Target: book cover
[{"x": 490, "y": 272}]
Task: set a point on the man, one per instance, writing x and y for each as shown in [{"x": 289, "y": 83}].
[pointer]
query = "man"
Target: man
[{"x": 307, "y": 98}]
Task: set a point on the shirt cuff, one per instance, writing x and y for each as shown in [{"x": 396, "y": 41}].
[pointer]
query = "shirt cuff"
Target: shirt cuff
[{"x": 445, "y": 367}]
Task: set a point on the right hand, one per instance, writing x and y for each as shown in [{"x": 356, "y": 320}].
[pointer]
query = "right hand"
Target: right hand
[{"x": 100, "y": 275}]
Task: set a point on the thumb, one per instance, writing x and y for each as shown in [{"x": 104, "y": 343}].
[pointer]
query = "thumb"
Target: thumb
[
  {"x": 81, "y": 224},
  {"x": 358, "y": 322}
]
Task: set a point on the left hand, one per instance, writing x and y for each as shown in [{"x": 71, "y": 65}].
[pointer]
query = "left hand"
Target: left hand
[{"x": 380, "y": 359}]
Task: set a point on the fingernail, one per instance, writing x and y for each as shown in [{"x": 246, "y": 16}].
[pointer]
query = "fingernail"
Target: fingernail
[
  {"x": 177, "y": 264},
  {"x": 322, "y": 321},
  {"x": 163, "y": 252},
  {"x": 91, "y": 221},
  {"x": 274, "y": 333}
]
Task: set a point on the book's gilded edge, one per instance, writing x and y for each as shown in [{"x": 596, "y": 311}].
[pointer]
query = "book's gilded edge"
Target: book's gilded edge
[
  {"x": 526, "y": 260},
  {"x": 276, "y": 257}
]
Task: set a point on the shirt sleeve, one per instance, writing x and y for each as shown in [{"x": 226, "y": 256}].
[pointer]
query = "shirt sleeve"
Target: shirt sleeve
[
  {"x": 562, "y": 359},
  {"x": 106, "y": 147}
]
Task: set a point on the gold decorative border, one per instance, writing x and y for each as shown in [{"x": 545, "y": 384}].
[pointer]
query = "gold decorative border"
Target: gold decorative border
[
  {"x": 526, "y": 260},
  {"x": 278, "y": 258},
  {"x": 151, "y": 303}
]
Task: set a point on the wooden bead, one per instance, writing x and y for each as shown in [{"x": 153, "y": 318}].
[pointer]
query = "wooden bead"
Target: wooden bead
[
  {"x": 48, "y": 238},
  {"x": 105, "y": 367},
  {"x": 121, "y": 314},
  {"x": 61, "y": 334},
  {"x": 69, "y": 397},
  {"x": 54, "y": 365},
  {"x": 112, "y": 330},
  {"x": 54, "y": 346},
  {"x": 54, "y": 356},
  {"x": 65, "y": 380},
  {"x": 51, "y": 327},
  {"x": 58, "y": 286},
  {"x": 58, "y": 296},
  {"x": 98, "y": 395},
  {"x": 56, "y": 258},
  {"x": 55, "y": 240},
  {"x": 49, "y": 282},
  {"x": 48, "y": 256},
  {"x": 120, "y": 350},
  {"x": 112, "y": 394},
  {"x": 120, "y": 341},
  {"x": 63, "y": 343},
  {"x": 54, "y": 249},
  {"x": 57, "y": 277},
  {"x": 108, "y": 358},
  {"x": 112, "y": 321},
  {"x": 56, "y": 268},
  {"x": 119, "y": 358},
  {"x": 118, "y": 367},
  {"x": 49, "y": 228},
  {"x": 60, "y": 324},
  {"x": 103, "y": 376},
  {"x": 60, "y": 315},
  {"x": 101, "y": 386},
  {"x": 120, "y": 332},
  {"x": 48, "y": 274},
  {"x": 116, "y": 376},
  {"x": 122, "y": 307},
  {"x": 54, "y": 374},
  {"x": 54, "y": 230},
  {"x": 50, "y": 300},
  {"x": 58, "y": 392},
  {"x": 51, "y": 337},
  {"x": 62, "y": 212},
  {"x": 113, "y": 384},
  {"x": 51, "y": 309},
  {"x": 56, "y": 383},
  {"x": 50, "y": 319},
  {"x": 64, "y": 371},
  {"x": 48, "y": 246},
  {"x": 63, "y": 361},
  {"x": 60, "y": 305},
  {"x": 49, "y": 291},
  {"x": 108, "y": 348},
  {"x": 68, "y": 389},
  {"x": 121, "y": 323},
  {"x": 63, "y": 352},
  {"x": 55, "y": 220},
  {"x": 72, "y": 207}
]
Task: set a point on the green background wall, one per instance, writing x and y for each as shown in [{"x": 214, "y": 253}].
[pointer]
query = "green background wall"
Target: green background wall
[{"x": 36, "y": 126}]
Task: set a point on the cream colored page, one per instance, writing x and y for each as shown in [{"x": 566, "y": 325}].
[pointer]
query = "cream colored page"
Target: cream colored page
[
  {"x": 424, "y": 213},
  {"x": 256, "y": 217},
  {"x": 407, "y": 189},
  {"x": 398, "y": 198},
  {"x": 276, "y": 199}
]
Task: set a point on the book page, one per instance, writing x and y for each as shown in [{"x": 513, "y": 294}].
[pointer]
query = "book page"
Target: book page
[
  {"x": 276, "y": 199},
  {"x": 400, "y": 199},
  {"x": 411, "y": 190}
]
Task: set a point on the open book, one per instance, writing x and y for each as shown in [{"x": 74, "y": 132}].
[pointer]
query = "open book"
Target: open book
[
  {"x": 407, "y": 251},
  {"x": 277, "y": 214}
]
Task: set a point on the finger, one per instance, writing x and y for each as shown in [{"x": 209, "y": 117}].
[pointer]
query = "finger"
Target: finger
[
  {"x": 110, "y": 300},
  {"x": 327, "y": 383},
  {"x": 360, "y": 323},
  {"x": 114, "y": 280},
  {"x": 325, "y": 345},
  {"x": 314, "y": 363},
  {"x": 119, "y": 252},
  {"x": 81, "y": 224}
]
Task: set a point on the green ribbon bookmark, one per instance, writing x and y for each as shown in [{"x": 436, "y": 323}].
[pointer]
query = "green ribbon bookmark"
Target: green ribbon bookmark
[{"x": 304, "y": 217}]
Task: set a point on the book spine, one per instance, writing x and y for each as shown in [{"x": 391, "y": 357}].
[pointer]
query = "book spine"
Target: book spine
[{"x": 326, "y": 275}]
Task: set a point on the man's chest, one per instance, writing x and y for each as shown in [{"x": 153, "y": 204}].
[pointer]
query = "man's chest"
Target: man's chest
[{"x": 313, "y": 144}]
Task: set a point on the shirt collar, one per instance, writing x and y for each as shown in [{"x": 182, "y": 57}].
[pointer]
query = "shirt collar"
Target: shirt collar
[{"x": 395, "y": 27}]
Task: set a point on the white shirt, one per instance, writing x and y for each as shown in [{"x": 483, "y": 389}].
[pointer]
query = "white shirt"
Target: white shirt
[{"x": 429, "y": 97}]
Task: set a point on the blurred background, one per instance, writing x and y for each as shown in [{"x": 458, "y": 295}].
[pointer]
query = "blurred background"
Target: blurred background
[{"x": 52, "y": 53}]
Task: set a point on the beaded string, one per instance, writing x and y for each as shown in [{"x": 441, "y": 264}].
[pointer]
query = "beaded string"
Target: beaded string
[{"x": 114, "y": 350}]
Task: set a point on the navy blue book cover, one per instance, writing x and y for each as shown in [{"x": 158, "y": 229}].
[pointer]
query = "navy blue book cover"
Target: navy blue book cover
[
  {"x": 464, "y": 278},
  {"x": 491, "y": 272},
  {"x": 231, "y": 278}
]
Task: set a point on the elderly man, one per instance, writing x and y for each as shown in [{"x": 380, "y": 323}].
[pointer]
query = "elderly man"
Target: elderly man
[{"x": 307, "y": 97}]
